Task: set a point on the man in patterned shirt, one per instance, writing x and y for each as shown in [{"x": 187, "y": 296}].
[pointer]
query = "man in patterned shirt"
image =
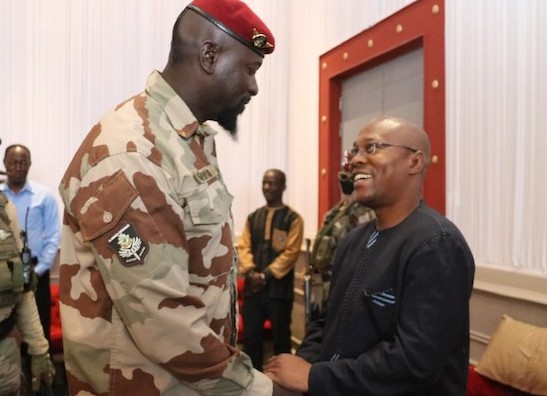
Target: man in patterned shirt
[
  {"x": 268, "y": 251},
  {"x": 147, "y": 264}
]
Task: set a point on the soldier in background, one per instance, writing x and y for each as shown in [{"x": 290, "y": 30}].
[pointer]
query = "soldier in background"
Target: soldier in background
[
  {"x": 338, "y": 221},
  {"x": 19, "y": 318}
]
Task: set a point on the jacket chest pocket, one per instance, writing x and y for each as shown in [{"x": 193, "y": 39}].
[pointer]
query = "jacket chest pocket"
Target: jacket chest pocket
[
  {"x": 279, "y": 240},
  {"x": 209, "y": 204},
  {"x": 382, "y": 306}
]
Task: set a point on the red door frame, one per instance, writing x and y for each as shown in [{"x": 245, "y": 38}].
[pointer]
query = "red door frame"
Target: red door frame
[{"x": 420, "y": 24}]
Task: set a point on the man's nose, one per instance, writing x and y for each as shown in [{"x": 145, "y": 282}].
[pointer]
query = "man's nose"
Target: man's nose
[{"x": 253, "y": 88}]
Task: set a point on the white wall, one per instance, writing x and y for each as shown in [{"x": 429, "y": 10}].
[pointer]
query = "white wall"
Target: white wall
[{"x": 64, "y": 62}]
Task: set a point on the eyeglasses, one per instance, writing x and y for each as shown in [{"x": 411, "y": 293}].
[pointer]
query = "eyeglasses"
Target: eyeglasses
[{"x": 370, "y": 148}]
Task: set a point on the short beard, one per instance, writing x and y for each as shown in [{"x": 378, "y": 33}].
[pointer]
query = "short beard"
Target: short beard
[{"x": 228, "y": 120}]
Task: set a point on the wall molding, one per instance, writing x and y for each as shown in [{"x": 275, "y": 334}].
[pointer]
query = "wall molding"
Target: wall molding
[
  {"x": 479, "y": 337},
  {"x": 499, "y": 292},
  {"x": 514, "y": 285}
]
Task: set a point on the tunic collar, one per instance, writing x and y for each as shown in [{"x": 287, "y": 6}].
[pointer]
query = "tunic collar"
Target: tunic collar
[{"x": 178, "y": 114}]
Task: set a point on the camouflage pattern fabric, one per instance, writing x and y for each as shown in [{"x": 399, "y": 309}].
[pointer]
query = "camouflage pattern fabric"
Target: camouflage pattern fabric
[
  {"x": 338, "y": 221},
  {"x": 10, "y": 353},
  {"x": 10, "y": 366},
  {"x": 147, "y": 274},
  {"x": 14, "y": 302}
]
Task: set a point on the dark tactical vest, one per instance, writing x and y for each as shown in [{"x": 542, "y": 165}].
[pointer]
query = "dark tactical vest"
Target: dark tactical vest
[
  {"x": 266, "y": 251},
  {"x": 12, "y": 277}
]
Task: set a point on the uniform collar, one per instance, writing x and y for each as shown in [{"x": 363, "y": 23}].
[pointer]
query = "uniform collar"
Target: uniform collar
[{"x": 178, "y": 115}]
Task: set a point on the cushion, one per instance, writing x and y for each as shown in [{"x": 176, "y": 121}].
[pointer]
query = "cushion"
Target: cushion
[
  {"x": 478, "y": 385},
  {"x": 516, "y": 355}
]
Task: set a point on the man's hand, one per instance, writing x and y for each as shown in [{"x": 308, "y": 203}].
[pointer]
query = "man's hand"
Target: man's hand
[
  {"x": 42, "y": 370},
  {"x": 278, "y": 390},
  {"x": 257, "y": 281},
  {"x": 289, "y": 371}
]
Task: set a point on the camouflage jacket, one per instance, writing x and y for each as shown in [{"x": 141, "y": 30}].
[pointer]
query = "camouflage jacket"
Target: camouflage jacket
[
  {"x": 338, "y": 221},
  {"x": 17, "y": 305},
  {"x": 147, "y": 260},
  {"x": 11, "y": 276}
]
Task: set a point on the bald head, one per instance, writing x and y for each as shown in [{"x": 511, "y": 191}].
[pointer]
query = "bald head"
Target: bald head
[
  {"x": 404, "y": 133},
  {"x": 278, "y": 174}
]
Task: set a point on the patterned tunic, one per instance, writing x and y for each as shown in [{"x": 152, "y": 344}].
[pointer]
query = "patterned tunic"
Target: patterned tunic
[{"x": 147, "y": 264}]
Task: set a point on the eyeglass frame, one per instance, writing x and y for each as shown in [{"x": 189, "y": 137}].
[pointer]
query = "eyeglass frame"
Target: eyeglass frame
[{"x": 375, "y": 145}]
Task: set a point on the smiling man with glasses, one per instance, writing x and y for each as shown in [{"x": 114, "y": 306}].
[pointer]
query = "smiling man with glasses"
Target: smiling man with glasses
[{"x": 397, "y": 320}]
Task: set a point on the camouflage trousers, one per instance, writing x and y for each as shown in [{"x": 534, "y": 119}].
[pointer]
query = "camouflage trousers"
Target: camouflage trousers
[{"x": 10, "y": 366}]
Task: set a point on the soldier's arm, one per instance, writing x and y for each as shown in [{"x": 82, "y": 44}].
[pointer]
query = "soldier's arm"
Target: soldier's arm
[{"x": 28, "y": 322}]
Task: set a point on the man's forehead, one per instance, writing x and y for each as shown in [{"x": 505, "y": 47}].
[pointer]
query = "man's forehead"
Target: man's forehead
[
  {"x": 18, "y": 150},
  {"x": 369, "y": 133},
  {"x": 379, "y": 128},
  {"x": 270, "y": 176}
]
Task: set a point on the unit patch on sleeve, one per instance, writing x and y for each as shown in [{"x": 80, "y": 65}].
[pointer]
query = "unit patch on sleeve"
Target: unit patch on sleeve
[{"x": 129, "y": 246}]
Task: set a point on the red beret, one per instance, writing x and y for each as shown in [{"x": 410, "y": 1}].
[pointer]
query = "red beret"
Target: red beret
[{"x": 239, "y": 21}]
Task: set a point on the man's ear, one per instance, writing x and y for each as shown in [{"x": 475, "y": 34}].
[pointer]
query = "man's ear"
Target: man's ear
[
  {"x": 208, "y": 57},
  {"x": 417, "y": 163}
]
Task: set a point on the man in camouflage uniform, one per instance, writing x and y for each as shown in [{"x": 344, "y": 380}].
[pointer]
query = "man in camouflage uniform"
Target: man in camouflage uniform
[
  {"x": 18, "y": 312},
  {"x": 148, "y": 269}
]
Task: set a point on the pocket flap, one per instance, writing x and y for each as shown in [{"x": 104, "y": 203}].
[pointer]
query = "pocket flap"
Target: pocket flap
[{"x": 103, "y": 210}]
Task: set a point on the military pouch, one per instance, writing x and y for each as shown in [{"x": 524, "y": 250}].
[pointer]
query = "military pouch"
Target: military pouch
[
  {"x": 6, "y": 283},
  {"x": 8, "y": 291},
  {"x": 17, "y": 277}
]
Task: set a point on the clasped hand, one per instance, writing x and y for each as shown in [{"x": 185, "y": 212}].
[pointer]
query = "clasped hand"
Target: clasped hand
[
  {"x": 290, "y": 372},
  {"x": 257, "y": 281}
]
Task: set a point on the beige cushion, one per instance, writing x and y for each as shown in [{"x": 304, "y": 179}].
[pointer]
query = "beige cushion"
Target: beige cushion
[{"x": 516, "y": 355}]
